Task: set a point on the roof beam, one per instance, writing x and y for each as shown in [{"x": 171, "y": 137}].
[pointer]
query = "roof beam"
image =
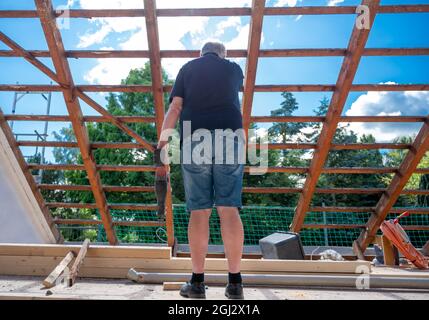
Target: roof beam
[
  {"x": 396, "y": 187},
  {"x": 56, "y": 47},
  {"x": 265, "y": 53},
  {"x": 19, "y": 51},
  {"x": 107, "y": 115},
  {"x": 349, "y": 67},
  {"x": 257, "y": 88},
  {"x": 253, "y": 47},
  {"x": 158, "y": 98},
  {"x": 212, "y": 12},
  {"x": 261, "y": 119}
]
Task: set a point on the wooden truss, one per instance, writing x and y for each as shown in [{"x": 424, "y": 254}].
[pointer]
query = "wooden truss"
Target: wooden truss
[{"x": 73, "y": 94}]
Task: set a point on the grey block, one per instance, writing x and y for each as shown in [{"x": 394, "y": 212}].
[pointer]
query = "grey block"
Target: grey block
[{"x": 282, "y": 245}]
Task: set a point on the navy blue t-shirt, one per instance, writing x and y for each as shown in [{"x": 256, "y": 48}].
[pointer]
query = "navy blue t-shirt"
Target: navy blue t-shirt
[{"x": 209, "y": 87}]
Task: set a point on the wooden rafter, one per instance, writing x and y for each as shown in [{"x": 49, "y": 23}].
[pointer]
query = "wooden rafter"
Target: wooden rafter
[
  {"x": 212, "y": 12},
  {"x": 114, "y": 120},
  {"x": 4, "y": 126},
  {"x": 232, "y": 53},
  {"x": 46, "y": 70},
  {"x": 257, "y": 88},
  {"x": 348, "y": 70},
  {"x": 262, "y": 119},
  {"x": 56, "y": 47},
  {"x": 253, "y": 46},
  {"x": 19, "y": 51},
  {"x": 344, "y": 85},
  {"x": 396, "y": 187},
  {"x": 158, "y": 97}
]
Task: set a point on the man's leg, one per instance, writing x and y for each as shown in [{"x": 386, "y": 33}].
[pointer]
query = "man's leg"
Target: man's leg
[
  {"x": 232, "y": 236},
  {"x": 198, "y": 235}
]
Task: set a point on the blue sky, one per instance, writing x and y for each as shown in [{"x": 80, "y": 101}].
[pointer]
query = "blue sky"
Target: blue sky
[{"x": 279, "y": 32}]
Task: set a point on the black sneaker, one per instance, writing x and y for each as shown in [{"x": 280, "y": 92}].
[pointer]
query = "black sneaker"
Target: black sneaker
[
  {"x": 234, "y": 291},
  {"x": 196, "y": 290}
]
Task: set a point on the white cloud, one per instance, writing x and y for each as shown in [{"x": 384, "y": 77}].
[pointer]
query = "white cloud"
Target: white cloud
[
  {"x": 412, "y": 103},
  {"x": 333, "y": 3},
  {"x": 94, "y": 38},
  {"x": 202, "y": 4},
  {"x": 283, "y": 3},
  {"x": 231, "y": 22},
  {"x": 171, "y": 31}
]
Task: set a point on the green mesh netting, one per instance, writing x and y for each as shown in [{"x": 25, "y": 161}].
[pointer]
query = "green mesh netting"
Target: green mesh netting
[{"x": 258, "y": 222}]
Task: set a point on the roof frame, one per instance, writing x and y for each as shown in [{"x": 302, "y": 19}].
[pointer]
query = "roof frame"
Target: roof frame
[
  {"x": 158, "y": 98},
  {"x": 390, "y": 196},
  {"x": 56, "y": 47},
  {"x": 348, "y": 70},
  {"x": 356, "y": 49},
  {"x": 4, "y": 126},
  {"x": 253, "y": 47}
]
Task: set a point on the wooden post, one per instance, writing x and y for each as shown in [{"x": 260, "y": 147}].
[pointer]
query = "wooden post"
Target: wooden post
[
  {"x": 50, "y": 281},
  {"x": 425, "y": 249},
  {"x": 253, "y": 46},
  {"x": 390, "y": 252},
  {"x": 358, "y": 251},
  {"x": 158, "y": 97},
  {"x": 78, "y": 262}
]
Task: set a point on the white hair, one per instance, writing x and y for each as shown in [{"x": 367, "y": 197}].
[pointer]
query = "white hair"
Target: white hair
[{"x": 214, "y": 47}]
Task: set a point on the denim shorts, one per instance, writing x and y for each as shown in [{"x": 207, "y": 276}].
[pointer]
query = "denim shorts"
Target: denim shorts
[{"x": 213, "y": 183}]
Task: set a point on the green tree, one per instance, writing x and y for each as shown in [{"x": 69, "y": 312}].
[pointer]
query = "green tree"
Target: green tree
[
  {"x": 123, "y": 104},
  {"x": 279, "y": 132}
]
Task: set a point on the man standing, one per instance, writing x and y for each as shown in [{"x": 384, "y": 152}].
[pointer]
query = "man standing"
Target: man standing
[{"x": 205, "y": 97}]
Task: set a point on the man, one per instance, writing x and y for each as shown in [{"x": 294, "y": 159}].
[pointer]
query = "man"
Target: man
[{"x": 205, "y": 95}]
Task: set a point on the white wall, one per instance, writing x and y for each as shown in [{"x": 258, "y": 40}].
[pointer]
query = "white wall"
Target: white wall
[{"x": 21, "y": 220}]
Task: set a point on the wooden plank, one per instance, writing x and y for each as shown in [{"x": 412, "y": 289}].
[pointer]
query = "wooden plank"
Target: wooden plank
[
  {"x": 349, "y": 68},
  {"x": 300, "y": 170},
  {"x": 56, "y": 47},
  {"x": 60, "y": 118},
  {"x": 166, "y": 286},
  {"x": 390, "y": 253},
  {"x": 101, "y": 251},
  {"x": 158, "y": 97},
  {"x": 264, "y": 53},
  {"x": 115, "y": 206},
  {"x": 87, "y": 222},
  {"x": 272, "y": 146},
  {"x": 257, "y": 88},
  {"x": 50, "y": 281},
  {"x": 78, "y": 263},
  {"x": 253, "y": 47},
  {"x": 114, "y": 120},
  {"x": 395, "y": 189},
  {"x": 358, "y": 251},
  {"x": 185, "y": 264},
  {"x": 348, "y": 119},
  {"x": 212, "y": 12},
  {"x": 88, "y": 188},
  {"x": 116, "y": 168}
]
